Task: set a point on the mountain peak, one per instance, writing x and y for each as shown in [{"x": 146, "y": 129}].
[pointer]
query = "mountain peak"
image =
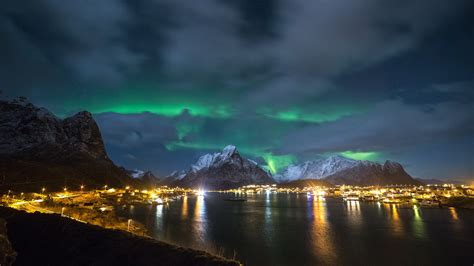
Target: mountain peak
[
  {"x": 222, "y": 170},
  {"x": 53, "y": 148},
  {"x": 392, "y": 166},
  {"x": 229, "y": 150},
  {"x": 83, "y": 115},
  {"x": 316, "y": 169}
]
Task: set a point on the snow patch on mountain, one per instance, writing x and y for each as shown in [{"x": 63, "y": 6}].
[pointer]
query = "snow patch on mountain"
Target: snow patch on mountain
[
  {"x": 217, "y": 158},
  {"x": 315, "y": 169},
  {"x": 225, "y": 169},
  {"x": 137, "y": 173},
  {"x": 178, "y": 175}
]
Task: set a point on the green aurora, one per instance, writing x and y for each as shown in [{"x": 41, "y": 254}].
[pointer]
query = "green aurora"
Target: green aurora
[
  {"x": 268, "y": 125},
  {"x": 368, "y": 155}
]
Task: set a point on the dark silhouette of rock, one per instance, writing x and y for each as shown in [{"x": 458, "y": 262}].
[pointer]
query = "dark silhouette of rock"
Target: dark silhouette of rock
[
  {"x": 49, "y": 239},
  {"x": 39, "y": 149},
  {"x": 7, "y": 254}
]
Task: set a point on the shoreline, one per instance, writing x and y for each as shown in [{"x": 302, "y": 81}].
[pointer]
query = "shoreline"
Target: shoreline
[{"x": 54, "y": 240}]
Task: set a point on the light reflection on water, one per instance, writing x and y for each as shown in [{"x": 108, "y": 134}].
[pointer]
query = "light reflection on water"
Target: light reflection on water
[
  {"x": 289, "y": 229},
  {"x": 321, "y": 233},
  {"x": 268, "y": 227},
  {"x": 199, "y": 220},
  {"x": 353, "y": 213},
  {"x": 396, "y": 222},
  {"x": 418, "y": 224},
  {"x": 184, "y": 208},
  {"x": 454, "y": 213}
]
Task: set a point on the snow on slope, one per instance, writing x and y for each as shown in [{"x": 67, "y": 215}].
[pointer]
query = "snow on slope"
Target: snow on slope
[{"x": 315, "y": 169}]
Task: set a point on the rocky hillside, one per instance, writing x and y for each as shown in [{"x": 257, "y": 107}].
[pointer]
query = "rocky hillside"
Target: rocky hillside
[
  {"x": 39, "y": 149},
  {"x": 147, "y": 178},
  {"x": 316, "y": 169},
  {"x": 371, "y": 173},
  {"x": 222, "y": 170},
  {"x": 338, "y": 170}
]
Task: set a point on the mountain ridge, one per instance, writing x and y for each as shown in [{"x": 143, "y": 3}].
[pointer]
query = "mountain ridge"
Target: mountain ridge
[
  {"x": 38, "y": 148},
  {"x": 339, "y": 170},
  {"x": 221, "y": 170}
]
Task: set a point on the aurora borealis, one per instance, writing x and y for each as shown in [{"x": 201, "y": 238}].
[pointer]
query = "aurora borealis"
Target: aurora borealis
[{"x": 284, "y": 81}]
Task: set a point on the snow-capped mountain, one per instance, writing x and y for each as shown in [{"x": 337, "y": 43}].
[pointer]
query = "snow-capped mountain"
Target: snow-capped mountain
[
  {"x": 367, "y": 173},
  {"x": 341, "y": 170},
  {"x": 315, "y": 169},
  {"x": 221, "y": 170},
  {"x": 136, "y": 173}
]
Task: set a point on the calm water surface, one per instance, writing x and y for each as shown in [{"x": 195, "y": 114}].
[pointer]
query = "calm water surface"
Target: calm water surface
[{"x": 292, "y": 229}]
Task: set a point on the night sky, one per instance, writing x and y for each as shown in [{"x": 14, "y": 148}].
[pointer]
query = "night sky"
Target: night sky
[{"x": 283, "y": 80}]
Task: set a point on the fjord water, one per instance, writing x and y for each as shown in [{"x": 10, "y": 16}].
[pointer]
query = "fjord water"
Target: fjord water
[{"x": 293, "y": 229}]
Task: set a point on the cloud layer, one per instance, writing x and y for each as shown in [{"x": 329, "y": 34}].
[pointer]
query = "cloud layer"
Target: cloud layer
[{"x": 170, "y": 79}]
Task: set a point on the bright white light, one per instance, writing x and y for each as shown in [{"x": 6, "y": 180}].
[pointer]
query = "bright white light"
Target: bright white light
[{"x": 200, "y": 193}]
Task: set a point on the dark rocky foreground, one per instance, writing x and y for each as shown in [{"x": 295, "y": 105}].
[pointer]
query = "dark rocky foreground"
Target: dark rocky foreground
[{"x": 46, "y": 239}]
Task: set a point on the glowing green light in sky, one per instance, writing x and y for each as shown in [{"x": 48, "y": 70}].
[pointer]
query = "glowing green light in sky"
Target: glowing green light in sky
[
  {"x": 274, "y": 163},
  {"x": 176, "y": 145},
  {"x": 277, "y": 162},
  {"x": 371, "y": 156},
  {"x": 165, "y": 109},
  {"x": 185, "y": 129},
  {"x": 296, "y": 115}
]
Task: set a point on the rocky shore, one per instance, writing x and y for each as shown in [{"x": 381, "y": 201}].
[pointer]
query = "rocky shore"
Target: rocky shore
[{"x": 49, "y": 239}]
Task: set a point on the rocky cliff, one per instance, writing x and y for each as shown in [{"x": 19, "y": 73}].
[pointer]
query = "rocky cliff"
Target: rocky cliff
[
  {"x": 221, "y": 170},
  {"x": 39, "y": 149},
  {"x": 338, "y": 170}
]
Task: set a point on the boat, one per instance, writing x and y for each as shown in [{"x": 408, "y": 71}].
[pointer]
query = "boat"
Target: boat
[
  {"x": 368, "y": 198},
  {"x": 351, "y": 197},
  {"x": 235, "y": 199},
  {"x": 430, "y": 204},
  {"x": 391, "y": 200},
  {"x": 405, "y": 205}
]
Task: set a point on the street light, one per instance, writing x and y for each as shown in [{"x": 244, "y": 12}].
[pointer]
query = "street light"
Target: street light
[
  {"x": 43, "y": 190},
  {"x": 82, "y": 187}
]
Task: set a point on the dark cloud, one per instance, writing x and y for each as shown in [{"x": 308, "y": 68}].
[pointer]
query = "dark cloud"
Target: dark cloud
[
  {"x": 389, "y": 126},
  {"x": 387, "y": 76},
  {"x": 136, "y": 131},
  {"x": 114, "y": 40},
  {"x": 325, "y": 37},
  {"x": 138, "y": 141}
]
